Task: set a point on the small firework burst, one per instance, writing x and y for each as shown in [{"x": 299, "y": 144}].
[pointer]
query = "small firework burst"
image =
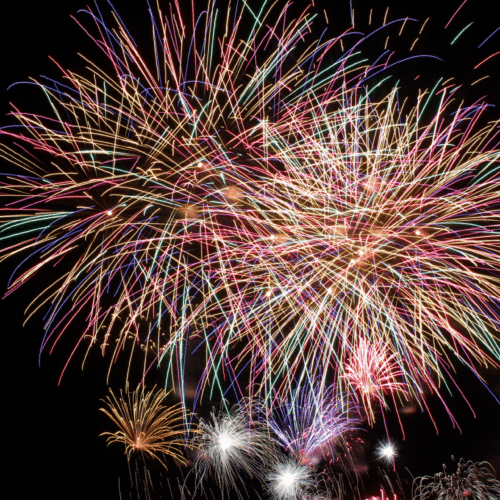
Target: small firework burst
[
  {"x": 311, "y": 422},
  {"x": 373, "y": 372},
  {"x": 291, "y": 480},
  {"x": 146, "y": 425},
  {"x": 229, "y": 446},
  {"x": 474, "y": 481}
]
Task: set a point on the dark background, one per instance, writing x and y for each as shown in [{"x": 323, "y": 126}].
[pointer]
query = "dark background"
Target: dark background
[{"x": 51, "y": 429}]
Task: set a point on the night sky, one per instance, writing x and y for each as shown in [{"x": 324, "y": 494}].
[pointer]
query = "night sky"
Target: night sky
[{"x": 51, "y": 430}]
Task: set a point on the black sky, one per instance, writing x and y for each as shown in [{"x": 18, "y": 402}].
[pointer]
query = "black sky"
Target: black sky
[{"x": 51, "y": 431}]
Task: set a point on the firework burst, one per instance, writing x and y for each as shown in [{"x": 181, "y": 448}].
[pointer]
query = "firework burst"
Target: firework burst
[
  {"x": 291, "y": 480},
  {"x": 119, "y": 178},
  {"x": 310, "y": 425},
  {"x": 230, "y": 446},
  {"x": 471, "y": 480},
  {"x": 146, "y": 425}
]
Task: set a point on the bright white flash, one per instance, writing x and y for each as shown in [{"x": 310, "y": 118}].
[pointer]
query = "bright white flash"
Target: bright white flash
[
  {"x": 386, "y": 451},
  {"x": 225, "y": 442},
  {"x": 287, "y": 479}
]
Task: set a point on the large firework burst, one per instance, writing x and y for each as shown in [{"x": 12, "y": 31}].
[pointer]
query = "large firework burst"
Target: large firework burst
[
  {"x": 135, "y": 178},
  {"x": 246, "y": 195},
  {"x": 369, "y": 223}
]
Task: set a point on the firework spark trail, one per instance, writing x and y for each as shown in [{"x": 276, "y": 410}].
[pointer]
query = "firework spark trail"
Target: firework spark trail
[
  {"x": 260, "y": 207},
  {"x": 138, "y": 154}
]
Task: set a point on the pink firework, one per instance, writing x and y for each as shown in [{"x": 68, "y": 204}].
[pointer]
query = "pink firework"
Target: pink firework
[{"x": 374, "y": 373}]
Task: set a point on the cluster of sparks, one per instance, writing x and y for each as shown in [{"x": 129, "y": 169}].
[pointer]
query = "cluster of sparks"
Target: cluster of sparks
[{"x": 328, "y": 254}]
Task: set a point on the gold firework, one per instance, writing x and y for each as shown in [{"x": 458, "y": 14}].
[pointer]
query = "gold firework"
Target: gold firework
[{"x": 146, "y": 425}]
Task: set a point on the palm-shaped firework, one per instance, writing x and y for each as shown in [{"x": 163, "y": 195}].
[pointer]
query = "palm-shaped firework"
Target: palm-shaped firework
[{"x": 147, "y": 426}]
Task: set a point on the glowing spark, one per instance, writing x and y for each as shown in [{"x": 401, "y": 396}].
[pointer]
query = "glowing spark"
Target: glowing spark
[{"x": 386, "y": 452}]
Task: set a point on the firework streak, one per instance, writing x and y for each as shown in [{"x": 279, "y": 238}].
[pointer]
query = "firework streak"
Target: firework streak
[{"x": 247, "y": 197}]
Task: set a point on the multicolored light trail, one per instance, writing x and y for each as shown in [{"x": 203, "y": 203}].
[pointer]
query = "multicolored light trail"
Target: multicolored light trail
[{"x": 256, "y": 200}]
